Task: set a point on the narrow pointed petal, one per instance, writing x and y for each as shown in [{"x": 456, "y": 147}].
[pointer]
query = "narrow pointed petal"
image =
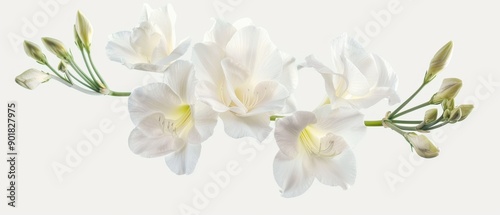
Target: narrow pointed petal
[
  {"x": 292, "y": 175},
  {"x": 183, "y": 162}
]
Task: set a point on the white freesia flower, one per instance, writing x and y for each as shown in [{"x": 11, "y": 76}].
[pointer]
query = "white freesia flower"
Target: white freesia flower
[
  {"x": 358, "y": 78},
  {"x": 31, "y": 78},
  {"x": 170, "y": 121},
  {"x": 245, "y": 78},
  {"x": 151, "y": 46},
  {"x": 316, "y": 145}
]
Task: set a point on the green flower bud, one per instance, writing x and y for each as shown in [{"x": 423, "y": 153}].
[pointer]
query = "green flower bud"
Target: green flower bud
[
  {"x": 449, "y": 90},
  {"x": 33, "y": 50},
  {"x": 446, "y": 114},
  {"x": 84, "y": 30},
  {"x": 78, "y": 41},
  {"x": 439, "y": 61},
  {"x": 448, "y": 104},
  {"x": 430, "y": 115},
  {"x": 422, "y": 145},
  {"x": 466, "y": 110},
  {"x": 62, "y": 67},
  {"x": 455, "y": 115},
  {"x": 31, "y": 78},
  {"x": 57, "y": 48}
]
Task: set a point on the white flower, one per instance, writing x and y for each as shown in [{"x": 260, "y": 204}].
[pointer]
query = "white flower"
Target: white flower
[
  {"x": 422, "y": 145},
  {"x": 358, "y": 78},
  {"x": 316, "y": 145},
  {"x": 31, "y": 78},
  {"x": 245, "y": 78},
  {"x": 151, "y": 46},
  {"x": 170, "y": 121}
]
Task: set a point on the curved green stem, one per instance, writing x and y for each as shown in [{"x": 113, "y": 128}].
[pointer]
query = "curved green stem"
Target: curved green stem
[
  {"x": 411, "y": 109},
  {"x": 88, "y": 68},
  {"x": 433, "y": 123},
  {"x": 406, "y": 121},
  {"x": 437, "y": 126},
  {"x": 79, "y": 71},
  {"x": 95, "y": 69},
  {"x": 394, "y": 127},
  {"x": 55, "y": 72},
  {"x": 407, "y": 101}
]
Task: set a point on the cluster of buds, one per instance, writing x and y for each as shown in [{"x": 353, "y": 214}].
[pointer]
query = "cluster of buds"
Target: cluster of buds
[
  {"x": 89, "y": 81},
  {"x": 445, "y": 97}
]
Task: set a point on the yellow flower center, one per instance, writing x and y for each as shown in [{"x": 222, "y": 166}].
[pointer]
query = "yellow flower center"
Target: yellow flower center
[
  {"x": 319, "y": 143},
  {"x": 179, "y": 122}
]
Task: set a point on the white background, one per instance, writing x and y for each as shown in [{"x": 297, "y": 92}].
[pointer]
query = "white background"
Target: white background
[{"x": 52, "y": 119}]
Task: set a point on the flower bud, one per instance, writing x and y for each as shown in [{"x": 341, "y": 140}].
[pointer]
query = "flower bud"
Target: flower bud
[
  {"x": 466, "y": 110},
  {"x": 33, "y": 50},
  {"x": 455, "y": 115},
  {"x": 422, "y": 145},
  {"x": 439, "y": 61},
  {"x": 31, "y": 78},
  {"x": 446, "y": 114},
  {"x": 449, "y": 90},
  {"x": 62, "y": 67},
  {"x": 84, "y": 30},
  {"x": 448, "y": 104},
  {"x": 57, "y": 48},
  {"x": 78, "y": 41},
  {"x": 430, "y": 115}
]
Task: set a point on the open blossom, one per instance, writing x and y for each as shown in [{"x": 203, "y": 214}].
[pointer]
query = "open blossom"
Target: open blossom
[
  {"x": 357, "y": 78},
  {"x": 169, "y": 120},
  {"x": 151, "y": 46},
  {"x": 316, "y": 145},
  {"x": 245, "y": 78}
]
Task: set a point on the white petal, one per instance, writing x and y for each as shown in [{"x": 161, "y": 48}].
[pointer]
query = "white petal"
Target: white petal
[
  {"x": 252, "y": 48},
  {"x": 288, "y": 130},
  {"x": 374, "y": 96},
  {"x": 326, "y": 73},
  {"x": 357, "y": 84},
  {"x": 338, "y": 171},
  {"x": 256, "y": 126},
  {"x": 387, "y": 78},
  {"x": 292, "y": 175},
  {"x": 152, "y": 98},
  {"x": 184, "y": 161},
  {"x": 180, "y": 77},
  {"x": 220, "y": 33},
  {"x": 178, "y": 52},
  {"x": 119, "y": 49},
  {"x": 290, "y": 79},
  {"x": 148, "y": 140},
  {"x": 345, "y": 122},
  {"x": 214, "y": 96},
  {"x": 237, "y": 76},
  {"x": 207, "y": 59},
  {"x": 270, "y": 98},
  {"x": 205, "y": 120},
  {"x": 164, "y": 19}
]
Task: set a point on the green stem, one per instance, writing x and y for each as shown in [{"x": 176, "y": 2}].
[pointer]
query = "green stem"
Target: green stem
[
  {"x": 411, "y": 109},
  {"x": 407, "y": 101},
  {"x": 373, "y": 123},
  {"x": 406, "y": 121},
  {"x": 81, "y": 82},
  {"x": 273, "y": 118},
  {"x": 78, "y": 70},
  {"x": 437, "y": 126},
  {"x": 95, "y": 69},
  {"x": 433, "y": 123},
  {"x": 55, "y": 72},
  {"x": 407, "y": 128},
  {"x": 88, "y": 68},
  {"x": 394, "y": 127},
  {"x": 119, "y": 94}
]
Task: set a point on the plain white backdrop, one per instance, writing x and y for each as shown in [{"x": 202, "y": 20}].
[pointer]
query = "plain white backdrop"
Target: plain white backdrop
[{"x": 53, "y": 119}]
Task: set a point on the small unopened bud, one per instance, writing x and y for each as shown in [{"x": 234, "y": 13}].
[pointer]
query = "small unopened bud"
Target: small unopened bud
[
  {"x": 466, "y": 110},
  {"x": 430, "y": 115},
  {"x": 84, "y": 30},
  {"x": 448, "y": 104},
  {"x": 57, "y": 48},
  {"x": 446, "y": 114},
  {"x": 422, "y": 145},
  {"x": 33, "y": 50},
  {"x": 449, "y": 90},
  {"x": 455, "y": 115},
  {"x": 62, "y": 67},
  {"x": 31, "y": 78},
  {"x": 439, "y": 61}
]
